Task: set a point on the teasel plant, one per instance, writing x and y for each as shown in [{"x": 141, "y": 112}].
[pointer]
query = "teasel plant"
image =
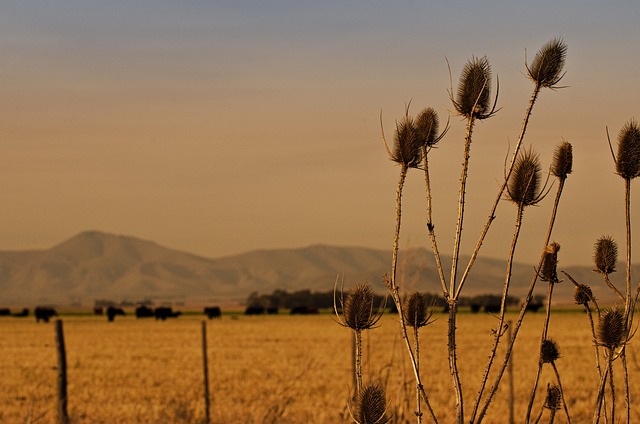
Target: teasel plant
[
  {"x": 370, "y": 406},
  {"x": 561, "y": 167},
  {"x": 612, "y": 334},
  {"x": 414, "y": 137},
  {"x": 552, "y": 402},
  {"x": 549, "y": 352},
  {"x": 417, "y": 315},
  {"x": 357, "y": 312},
  {"x": 627, "y": 163}
]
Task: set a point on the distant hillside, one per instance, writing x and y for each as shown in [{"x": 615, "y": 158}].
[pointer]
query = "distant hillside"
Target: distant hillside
[{"x": 95, "y": 265}]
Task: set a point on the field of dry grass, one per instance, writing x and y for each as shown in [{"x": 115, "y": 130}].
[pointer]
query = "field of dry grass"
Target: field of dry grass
[{"x": 285, "y": 369}]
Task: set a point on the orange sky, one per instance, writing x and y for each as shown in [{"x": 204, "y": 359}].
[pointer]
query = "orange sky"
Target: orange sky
[{"x": 221, "y": 128}]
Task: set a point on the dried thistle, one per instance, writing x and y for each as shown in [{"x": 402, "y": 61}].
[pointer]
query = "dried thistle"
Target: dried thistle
[
  {"x": 426, "y": 127},
  {"x": 549, "y": 271},
  {"x": 546, "y": 68},
  {"x": 406, "y": 147},
  {"x": 605, "y": 255},
  {"x": 415, "y": 311},
  {"x": 554, "y": 397},
  {"x": 628, "y": 158},
  {"x": 562, "y": 160},
  {"x": 549, "y": 351},
  {"x": 371, "y": 405},
  {"x": 358, "y": 309},
  {"x": 523, "y": 187},
  {"x": 611, "y": 331},
  {"x": 583, "y": 294},
  {"x": 474, "y": 90}
]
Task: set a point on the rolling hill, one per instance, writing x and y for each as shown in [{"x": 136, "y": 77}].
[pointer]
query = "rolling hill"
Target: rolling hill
[{"x": 95, "y": 265}]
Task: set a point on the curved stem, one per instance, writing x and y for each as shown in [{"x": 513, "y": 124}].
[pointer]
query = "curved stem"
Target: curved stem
[
  {"x": 418, "y": 403},
  {"x": 453, "y": 365},
  {"x": 500, "y": 329},
  {"x": 566, "y": 409},
  {"x": 492, "y": 216}
]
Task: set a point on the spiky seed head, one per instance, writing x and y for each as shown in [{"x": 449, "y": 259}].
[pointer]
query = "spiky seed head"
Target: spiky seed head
[
  {"x": 549, "y": 270},
  {"x": 611, "y": 329},
  {"x": 546, "y": 68},
  {"x": 628, "y": 158},
  {"x": 562, "y": 160},
  {"x": 583, "y": 294},
  {"x": 524, "y": 182},
  {"x": 554, "y": 397},
  {"x": 358, "y": 307},
  {"x": 605, "y": 255},
  {"x": 427, "y": 127},
  {"x": 371, "y": 405},
  {"x": 415, "y": 311},
  {"x": 549, "y": 351},
  {"x": 406, "y": 149},
  {"x": 474, "y": 89}
]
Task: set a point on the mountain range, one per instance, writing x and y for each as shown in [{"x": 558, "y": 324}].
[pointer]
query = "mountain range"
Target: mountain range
[{"x": 96, "y": 265}]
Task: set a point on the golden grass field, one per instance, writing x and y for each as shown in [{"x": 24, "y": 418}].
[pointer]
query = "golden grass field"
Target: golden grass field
[{"x": 284, "y": 369}]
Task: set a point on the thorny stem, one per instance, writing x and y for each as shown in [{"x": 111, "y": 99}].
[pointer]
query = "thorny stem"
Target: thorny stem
[
  {"x": 418, "y": 403},
  {"x": 523, "y": 310},
  {"x": 628, "y": 314},
  {"x": 393, "y": 288},
  {"x": 566, "y": 409},
  {"x": 612, "y": 386},
  {"x": 461, "y": 197},
  {"x": 358, "y": 334},
  {"x": 453, "y": 366},
  {"x": 505, "y": 292},
  {"x": 612, "y": 287},
  {"x": 600, "y": 397},
  {"x": 623, "y": 355},
  {"x": 545, "y": 329},
  {"x": 492, "y": 216},
  {"x": 431, "y": 227}
]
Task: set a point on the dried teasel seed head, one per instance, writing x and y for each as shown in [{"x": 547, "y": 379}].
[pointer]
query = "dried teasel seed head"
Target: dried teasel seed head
[
  {"x": 474, "y": 88},
  {"x": 605, "y": 255},
  {"x": 407, "y": 150},
  {"x": 546, "y": 68},
  {"x": 582, "y": 294},
  {"x": 371, "y": 405},
  {"x": 549, "y": 351},
  {"x": 415, "y": 311},
  {"x": 562, "y": 160},
  {"x": 549, "y": 271},
  {"x": 554, "y": 397},
  {"x": 358, "y": 307},
  {"x": 426, "y": 125},
  {"x": 523, "y": 187},
  {"x": 628, "y": 158},
  {"x": 611, "y": 329}
]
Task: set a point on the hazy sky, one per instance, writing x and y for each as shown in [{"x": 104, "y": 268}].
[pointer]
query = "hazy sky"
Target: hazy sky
[{"x": 227, "y": 126}]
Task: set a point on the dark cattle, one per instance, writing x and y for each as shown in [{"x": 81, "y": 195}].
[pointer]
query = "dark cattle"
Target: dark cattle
[
  {"x": 164, "y": 312},
  {"x": 23, "y": 313},
  {"x": 272, "y": 310},
  {"x": 98, "y": 310},
  {"x": 44, "y": 313},
  {"x": 254, "y": 310},
  {"x": 5, "y": 312},
  {"x": 213, "y": 312},
  {"x": 144, "y": 312},
  {"x": 492, "y": 309},
  {"x": 534, "y": 307},
  {"x": 303, "y": 310},
  {"x": 475, "y": 308},
  {"x": 112, "y": 311}
]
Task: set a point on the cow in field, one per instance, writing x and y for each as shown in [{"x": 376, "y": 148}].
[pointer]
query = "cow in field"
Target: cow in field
[
  {"x": 5, "y": 312},
  {"x": 164, "y": 312},
  {"x": 492, "y": 309},
  {"x": 23, "y": 313},
  {"x": 254, "y": 310},
  {"x": 98, "y": 310},
  {"x": 144, "y": 312},
  {"x": 534, "y": 307},
  {"x": 44, "y": 313},
  {"x": 213, "y": 312},
  {"x": 112, "y": 311}
]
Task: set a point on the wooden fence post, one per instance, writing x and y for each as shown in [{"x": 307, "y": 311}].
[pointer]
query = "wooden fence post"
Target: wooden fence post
[
  {"x": 63, "y": 416},
  {"x": 205, "y": 367}
]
